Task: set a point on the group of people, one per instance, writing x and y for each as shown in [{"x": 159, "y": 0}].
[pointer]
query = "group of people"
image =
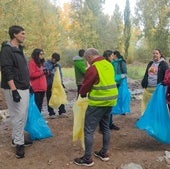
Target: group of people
[
  {"x": 120, "y": 71},
  {"x": 100, "y": 82},
  {"x": 41, "y": 74},
  {"x": 19, "y": 78},
  {"x": 97, "y": 77},
  {"x": 95, "y": 83}
]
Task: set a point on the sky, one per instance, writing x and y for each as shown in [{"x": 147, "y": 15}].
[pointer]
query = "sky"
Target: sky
[{"x": 109, "y": 5}]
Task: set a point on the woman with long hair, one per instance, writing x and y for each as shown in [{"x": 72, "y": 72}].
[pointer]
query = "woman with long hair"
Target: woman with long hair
[{"x": 38, "y": 74}]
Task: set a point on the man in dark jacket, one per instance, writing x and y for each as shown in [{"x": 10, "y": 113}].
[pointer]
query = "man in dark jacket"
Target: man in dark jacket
[{"x": 15, "y": 82}]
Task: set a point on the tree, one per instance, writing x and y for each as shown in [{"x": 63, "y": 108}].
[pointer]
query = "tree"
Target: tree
[
  {"x": 153, "y": 18},
  {"x": 85, "y": 23},
  {"x": 115, "y": 30},
  {"x": 127, "y": 28}
]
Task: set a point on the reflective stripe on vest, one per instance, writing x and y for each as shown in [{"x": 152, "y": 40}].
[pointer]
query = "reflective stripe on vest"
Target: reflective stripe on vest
[
  {"x": 103, "y": 98},
  {"x": 103, "y": 87}
]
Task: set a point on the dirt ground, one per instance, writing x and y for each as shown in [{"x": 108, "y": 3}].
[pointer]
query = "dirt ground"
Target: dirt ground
[{"x": 128, "y": 145}]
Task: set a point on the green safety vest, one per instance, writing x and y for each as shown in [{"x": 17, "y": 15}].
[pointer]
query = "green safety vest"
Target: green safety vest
[{"x": 105, "y": 92}]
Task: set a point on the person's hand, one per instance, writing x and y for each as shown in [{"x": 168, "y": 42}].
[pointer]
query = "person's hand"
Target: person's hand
[
  {"x": 46, "y": 72},
  {"x": 16, "y": 96},
  {"x": 83, "y": 96},
  {"x": 123, "y": 76}
]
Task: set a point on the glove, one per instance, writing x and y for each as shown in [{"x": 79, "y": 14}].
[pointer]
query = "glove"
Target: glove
[
  {"x": 16, "y": 96},
  {"x": 123, "y": 76}
]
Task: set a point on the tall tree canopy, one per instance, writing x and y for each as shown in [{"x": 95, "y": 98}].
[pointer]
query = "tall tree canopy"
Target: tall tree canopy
[{"x": 82, "y": 24}]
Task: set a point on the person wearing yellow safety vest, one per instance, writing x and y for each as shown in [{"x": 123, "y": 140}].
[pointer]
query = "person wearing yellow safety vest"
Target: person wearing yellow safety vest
[{"x": 100, "y": 87}]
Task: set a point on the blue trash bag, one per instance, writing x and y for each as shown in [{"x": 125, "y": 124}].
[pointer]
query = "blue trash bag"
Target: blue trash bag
[
  {"x": 36, "y": 125},
  {"x": 156, "y": 119},
  {"x": 124, "y": 98}
]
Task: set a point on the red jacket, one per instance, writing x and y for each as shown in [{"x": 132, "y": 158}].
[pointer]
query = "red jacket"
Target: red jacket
[{"x": 37, "y": 77}]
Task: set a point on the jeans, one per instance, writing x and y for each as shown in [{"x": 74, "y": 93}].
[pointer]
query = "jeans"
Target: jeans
[{"x": 95, "y": 115}]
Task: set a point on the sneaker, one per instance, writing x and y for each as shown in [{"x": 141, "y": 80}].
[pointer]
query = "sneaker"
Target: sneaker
[
  {"x": 20, "y": 152},
  {"x": 27, "y": 143},
  {"x": 113, "y": 127},
  {"x": 102, "y": 156},
  {"x": 13, "y": 144},
  {"x": 84, "y": 161}
]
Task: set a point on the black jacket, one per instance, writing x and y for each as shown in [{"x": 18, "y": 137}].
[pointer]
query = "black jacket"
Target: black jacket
[
  {"x": 163, "y": 66},
  {"x": 14, "y": 67}
]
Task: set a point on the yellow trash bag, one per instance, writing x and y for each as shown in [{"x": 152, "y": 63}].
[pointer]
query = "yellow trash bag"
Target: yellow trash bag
[
  {"x": 79, "y": 109},
  {"x": 58, "y": 95}
]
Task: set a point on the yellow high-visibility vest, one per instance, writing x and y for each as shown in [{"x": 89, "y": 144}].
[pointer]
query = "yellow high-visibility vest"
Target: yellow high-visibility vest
[{"x": 105, "y": 92}]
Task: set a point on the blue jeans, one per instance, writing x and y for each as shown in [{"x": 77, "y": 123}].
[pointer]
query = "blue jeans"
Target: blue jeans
[{"x": 93, "y": 116}]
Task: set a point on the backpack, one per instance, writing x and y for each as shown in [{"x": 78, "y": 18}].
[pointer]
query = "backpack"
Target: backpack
[{"x": 166, "y": 80}]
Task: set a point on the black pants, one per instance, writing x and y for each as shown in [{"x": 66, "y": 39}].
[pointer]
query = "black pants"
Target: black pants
[
  {"x": 78, "y": 89},
  {"x": 48, "y": 95},
  {"x": 39, "y": 96}
]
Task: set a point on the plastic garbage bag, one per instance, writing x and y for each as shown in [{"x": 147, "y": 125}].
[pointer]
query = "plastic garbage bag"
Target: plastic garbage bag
[
  {"x": 79, "y": 109},
  {"x": 156, "y": 120},
  {"x": 58, "y": 95},
  {"x": 124, "y": 98},
  {"x": 36, "y": 125}
]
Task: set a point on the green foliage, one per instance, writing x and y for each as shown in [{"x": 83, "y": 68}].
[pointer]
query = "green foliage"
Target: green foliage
[
  {"x": 37, "y": 17},
  {"x": 143, "y": 55},
  {"x": 114, "y": 35},
  {"x": 82, "y": 24},
  {"x": 67, "y": 57},
  {"x": 69, "y": 73},
  {"x": 153, "y": 17},
  {"x": 127, "y": 28},
  {"x": 136, "y": 71}
]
